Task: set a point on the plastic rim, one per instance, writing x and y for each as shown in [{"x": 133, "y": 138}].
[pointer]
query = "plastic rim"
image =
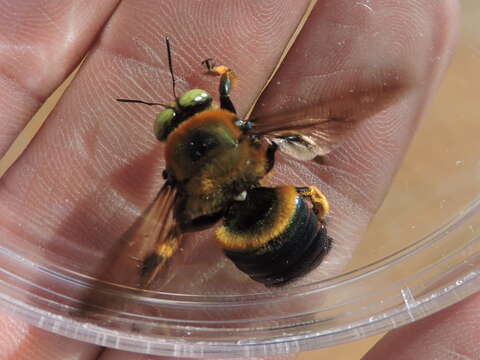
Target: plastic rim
[{"x": 423, "y": 290}]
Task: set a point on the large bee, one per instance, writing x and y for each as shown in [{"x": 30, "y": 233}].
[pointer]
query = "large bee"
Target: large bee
[{"x": 215, "y": 163}]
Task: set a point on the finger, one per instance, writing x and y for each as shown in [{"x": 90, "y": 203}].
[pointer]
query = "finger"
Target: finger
[
  {"x": 453, "y": 333},
  {"x": 372, "y": 50},
  {"x": 94, "y": 165},
  {"x": 344, "y": 65},
  {"x": 105, "y": 152},
  {"x": 358, "y": 174},
  {"x": 331, "y": 58},
  {"x": 20, "y": 341},
  {"x": 109, "y": 170},
  {"x": 99, "y": 138},
  {"x": 41, "y": 43}
]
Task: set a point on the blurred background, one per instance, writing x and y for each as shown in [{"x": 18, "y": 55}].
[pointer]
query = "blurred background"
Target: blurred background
[{"x": 438, "y": 178}]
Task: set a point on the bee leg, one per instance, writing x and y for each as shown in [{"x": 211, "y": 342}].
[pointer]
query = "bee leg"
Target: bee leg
[
  {"x": 319, "y": 202},
  {"x": 227, "y": 80},
  {"x": 153, "y": 263}
]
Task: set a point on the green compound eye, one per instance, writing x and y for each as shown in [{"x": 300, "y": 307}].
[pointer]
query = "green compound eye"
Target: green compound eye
[
  {"x": 163, "y": 124},
  {"x": 195, "y": 99}
]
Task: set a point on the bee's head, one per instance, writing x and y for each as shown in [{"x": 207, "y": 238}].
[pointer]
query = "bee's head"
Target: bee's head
[{"x": 189, "y": 103}]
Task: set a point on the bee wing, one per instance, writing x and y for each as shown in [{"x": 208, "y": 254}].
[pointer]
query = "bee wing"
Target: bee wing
[
  {"x": 136, "y": 259},
  {"x": 155, "y": 237},
  {"x": 315, "y": 130},
  {"x": 303, "y": 133}
]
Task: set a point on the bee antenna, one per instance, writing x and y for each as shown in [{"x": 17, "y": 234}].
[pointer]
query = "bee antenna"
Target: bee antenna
[
  {"x": 141, "y": 102},
  {"x": 170, "y": 66}
]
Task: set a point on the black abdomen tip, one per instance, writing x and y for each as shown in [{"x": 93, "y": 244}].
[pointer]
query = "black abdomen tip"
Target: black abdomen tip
[{"x": 294, "y": 251}]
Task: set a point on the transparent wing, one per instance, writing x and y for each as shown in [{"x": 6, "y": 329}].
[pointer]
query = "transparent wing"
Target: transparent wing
[
  {"x": 315, "y": 130},
  {"x": 320, "y": 131},
  {"x": 155, "y": 237},
  {"x": 137, "y": 259}
]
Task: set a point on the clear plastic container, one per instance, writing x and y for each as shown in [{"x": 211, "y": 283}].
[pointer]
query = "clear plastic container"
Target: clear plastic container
[{"x": 420, "y": 254}]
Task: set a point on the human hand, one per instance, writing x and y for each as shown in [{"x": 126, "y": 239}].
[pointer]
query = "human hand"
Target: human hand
[
  {"x": 452, "y": 333},
  {"x": 94, "y": 165}
]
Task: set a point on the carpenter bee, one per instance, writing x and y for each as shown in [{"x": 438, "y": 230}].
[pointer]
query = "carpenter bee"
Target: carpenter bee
[{"x": 215, "y": 163}]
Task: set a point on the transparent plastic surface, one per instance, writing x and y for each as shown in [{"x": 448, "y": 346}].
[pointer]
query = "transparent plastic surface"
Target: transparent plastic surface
[{"x": 421, "y": 253}]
